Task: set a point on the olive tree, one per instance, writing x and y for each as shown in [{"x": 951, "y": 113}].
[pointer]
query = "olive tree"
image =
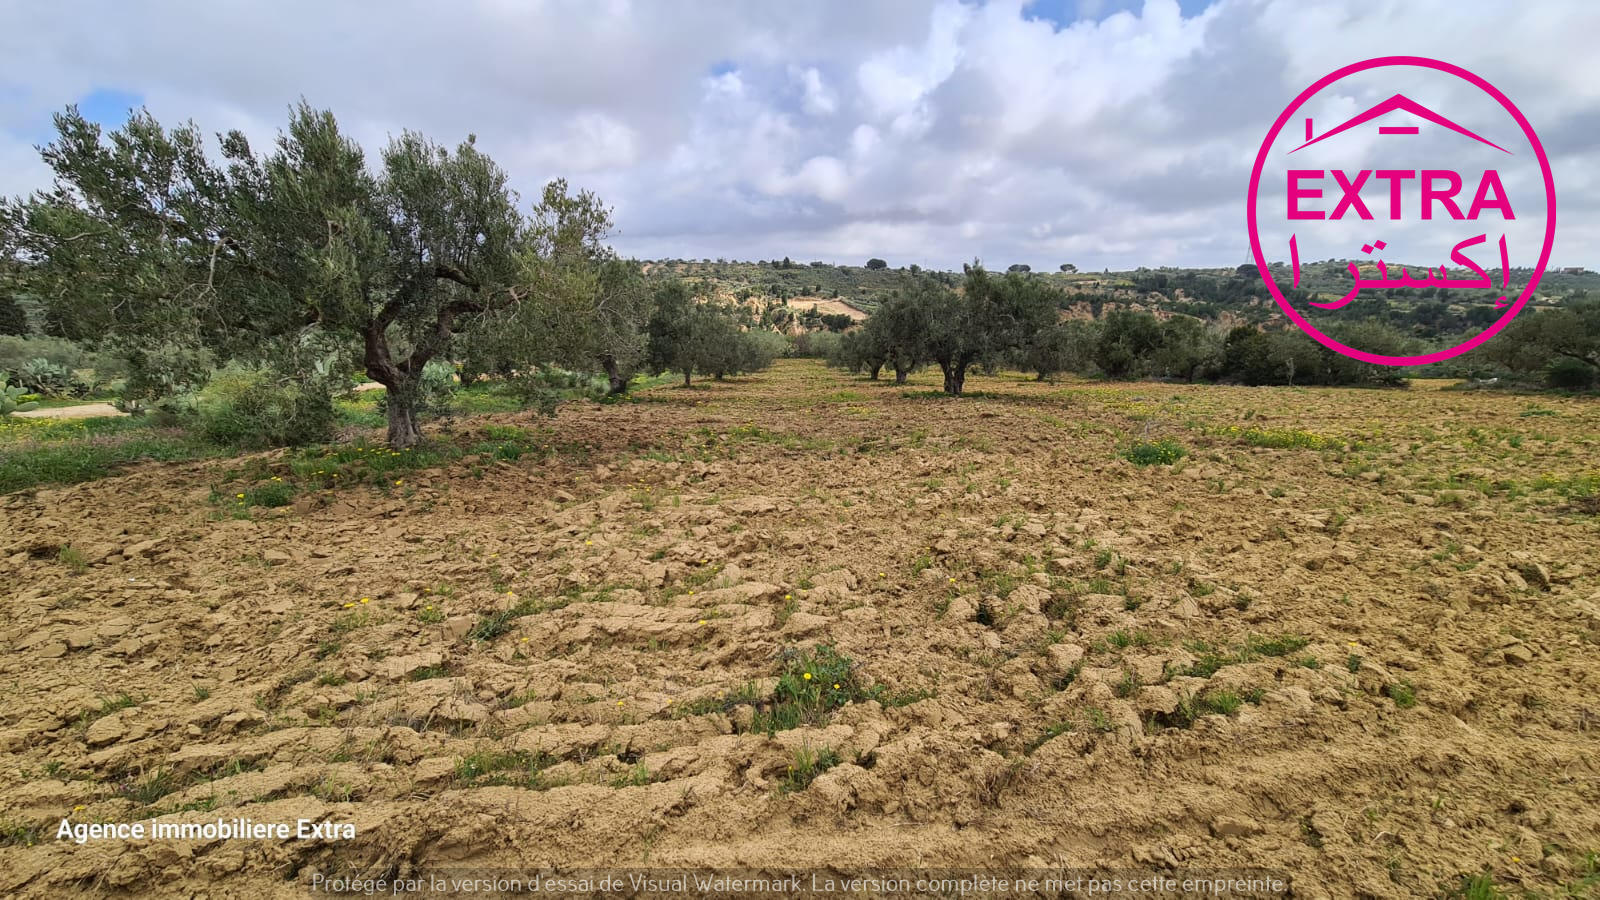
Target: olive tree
[
  {"x": 303, "y": 258},
  {"x": 987, "y": 321}
]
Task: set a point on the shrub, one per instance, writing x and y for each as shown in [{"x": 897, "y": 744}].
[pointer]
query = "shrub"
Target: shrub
[
  {"x": 1569, "y": 374},
  {"x": 41, "y": 376},
  {"x": 11, "y": 399},
  {"x": 249, "y": 408},
  {"x": 16, "y": 351},
  {"x": 1164, "y": 452}
]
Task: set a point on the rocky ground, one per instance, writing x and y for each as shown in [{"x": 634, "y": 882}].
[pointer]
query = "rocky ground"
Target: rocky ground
[{"x": 802, "y": 619}]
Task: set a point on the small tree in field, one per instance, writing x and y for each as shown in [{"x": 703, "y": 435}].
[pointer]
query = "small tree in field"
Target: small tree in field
[
  {"x": 861, "y": 350},
  {"x": 689, "y": 336},
  {"x": 876, "y": 263},
  {"x": 985, "y": 323},
  {"x": 900, "y": 328}
]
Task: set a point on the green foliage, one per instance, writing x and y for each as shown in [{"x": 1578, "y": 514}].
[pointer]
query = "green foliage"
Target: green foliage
[
  {"x": 811, "y": 684},
  {"x": 518, "y": 768},
  {"x": 495, "y": 624},
  {"x": 1126, "y": 338},
  {"x": 72, "y": 451},
  {"x": 11, "y": 399},
  {"x": 986, "y": 323},
  {"x": 1252, "y": 356},
  {"x": 1060, "y": 347},
  {"x": 162, "y": 370},
  {"x": 691, "y": 335},
  {"x": 1561, "y": 345},
  {"x": 807, "y": 765},
  {"x": 253, "y": 408},
  {"x": 1478, "y": 887},
  {"x": 43, "y": 377},
  {"x": 271, "y": 493},
  {"x": 13, "y": 319},
  {"x": 16, "y": 350},
  {"x": 302, "y": 261},
  {"x": 1403, "y": 693},
  {"x": 1164, "y": 452},
  {"x": 1568, "y": 374}
]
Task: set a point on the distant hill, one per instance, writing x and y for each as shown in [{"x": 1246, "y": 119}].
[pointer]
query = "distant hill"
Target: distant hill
[{"x": 1225, "y": 296}]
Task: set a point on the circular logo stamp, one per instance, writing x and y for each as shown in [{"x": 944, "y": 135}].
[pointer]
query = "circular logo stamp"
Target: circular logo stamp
[{"x": 1423, "y": 173}]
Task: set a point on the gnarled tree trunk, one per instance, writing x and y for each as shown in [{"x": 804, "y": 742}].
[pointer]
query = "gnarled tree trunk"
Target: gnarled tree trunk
[
  {"x": 955, "y": 376},
  {"x": 400, "y": 384},
  {"x": 618, "y": 384}
]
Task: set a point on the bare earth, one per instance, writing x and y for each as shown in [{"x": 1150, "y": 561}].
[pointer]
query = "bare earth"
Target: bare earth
[
  {"x": 81, "y": 411},
  {"x": 1042, "y": 616}
]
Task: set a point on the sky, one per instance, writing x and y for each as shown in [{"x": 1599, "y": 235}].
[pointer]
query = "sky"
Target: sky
[{"x": 1104, "y": 133}]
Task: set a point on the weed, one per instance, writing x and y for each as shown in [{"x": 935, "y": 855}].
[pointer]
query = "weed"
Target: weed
[
  {"x": 811, "y": 684},
  {"x": 435, "y": 671},
  {"x": 502, "y": 767},
  {"x": 723, "y": 702},
  {"x": 1403, "y": 693},
  {"x": 1478, "y": 887},
  {"x": 1050, "y": 733},
  {"x": 1122, "y": 640},
  {"x": 493, "y": 625},
  {"x": 73, "y": 559},
  {"x": 108, "y": 705},
  {"x": 634, "y": 777},
  {"x": 1129, "y": 684},
  {"x": 1098, "y": 720},
  {"x": 150, "y": 789},
  {"x": 19, "y": 834},
  {"x": 808, "y": 764},
  {"x": 1164, "y": 452}
]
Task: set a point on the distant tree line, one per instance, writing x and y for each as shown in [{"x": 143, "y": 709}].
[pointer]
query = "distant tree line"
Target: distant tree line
[{"x": 1012, "y": 321}]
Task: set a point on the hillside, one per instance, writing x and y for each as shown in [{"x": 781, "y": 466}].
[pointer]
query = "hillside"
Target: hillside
[{"x": 1227, "y": 296}]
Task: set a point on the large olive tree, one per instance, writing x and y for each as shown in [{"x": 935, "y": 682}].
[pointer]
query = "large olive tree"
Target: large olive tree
[{"x": 298, "y": 257}]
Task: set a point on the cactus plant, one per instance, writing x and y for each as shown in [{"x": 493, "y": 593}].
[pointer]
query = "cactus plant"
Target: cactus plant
[{"x": 11, "y": 399}]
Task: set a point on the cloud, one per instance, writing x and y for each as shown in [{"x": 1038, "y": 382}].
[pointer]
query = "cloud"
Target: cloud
[{"x": 1110, "y": 134}]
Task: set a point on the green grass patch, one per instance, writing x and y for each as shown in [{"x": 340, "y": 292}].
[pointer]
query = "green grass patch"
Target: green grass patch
[
  {"x": 32, "y": 464},
  {"x": 1164, "y": 452},
  {"x": 517, "y": 768},
  {"x": 493, "y": 625},
  {"x": 811, "y": 684},
  {"x": 1210, "y": 659},
  {"x": 807, "y": 765}
]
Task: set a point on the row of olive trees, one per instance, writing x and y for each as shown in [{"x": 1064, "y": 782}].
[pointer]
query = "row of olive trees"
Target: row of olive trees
[
  {"x": 691, "y": 334},
  {"x": 309, "y": 261},
  {"x": 1013, "y": 321},
  {"x": 986, "y": 323}
]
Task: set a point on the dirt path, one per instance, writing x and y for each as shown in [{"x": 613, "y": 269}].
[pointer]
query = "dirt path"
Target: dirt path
[
  {"x": 81, "y": 411},
  {"x": 1373, "y": 670}
]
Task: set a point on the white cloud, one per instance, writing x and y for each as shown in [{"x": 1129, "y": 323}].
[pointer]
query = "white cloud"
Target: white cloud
[
  {"x": 820, "y": 100},
  {"x": 926, "y": 132}
]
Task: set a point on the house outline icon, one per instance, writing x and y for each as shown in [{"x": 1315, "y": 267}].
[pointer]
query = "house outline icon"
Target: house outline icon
[{"x": 1397, "y": 103}]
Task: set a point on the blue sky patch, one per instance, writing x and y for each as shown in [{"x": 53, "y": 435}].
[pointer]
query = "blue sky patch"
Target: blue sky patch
[{"x": 108, "y": 107}]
